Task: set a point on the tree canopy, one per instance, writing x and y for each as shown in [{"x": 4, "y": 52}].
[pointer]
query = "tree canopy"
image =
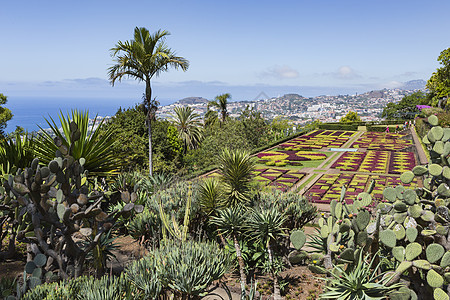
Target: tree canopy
[
  {"x": 406, "y": 108},
  {"x": 350, "y": 117},
  {"x": 439, "y": 82},
  {"x": 5, "y": 114}
]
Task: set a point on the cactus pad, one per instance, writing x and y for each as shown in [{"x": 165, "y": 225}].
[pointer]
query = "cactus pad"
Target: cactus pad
[
  {"x": 434, "y": 279},
  {"x": 445, "y": 261},
  {"x": 433, "y": 120},
  {"x": 415, "y": 211},
  {"x": 403, "y": 266},
  {"x": 348, "y": 254},
  {"x": 419, "y": 170},
  {"x": 388, "y": 238},
  {"x": 438, "y": 132},
  {"x": 407, "y": 177},
  {"x": 411, "y": 234},
  {"x": 428, "y": 216},
  {"x": 435, "y": 169},
  {"x": 298, "y": 239},
  {"x": 362, "y": 238},
  {"x": 438, "y": 147},
  {"x": 296, "y": 257},
  {"x": 399, "y": 231},
  {"x": 434, "y": 252},
  {"x": 40, "y": 260},
  {"x": 439, "y": 294},
  {"x": 363, "y": 219},
  {"x": 390, "y": 194},
  {"x": 317, "y": 269},
  {"x": 422, "y": 264},
  {"x": 399, "y": 253},
  {"x": 400, "y": 206},
  {"x": 413, "y": 250},
  {"x": 338, "y": 211},
  {"x": 409, "y": 197},
  {"x": 29, "y": 267}
]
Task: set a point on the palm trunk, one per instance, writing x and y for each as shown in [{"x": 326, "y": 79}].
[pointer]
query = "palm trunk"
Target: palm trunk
[
  {"x": 241, "y": 265},
  {"x": 148, "y": 100},
  {"x": 276, "y": 287}
]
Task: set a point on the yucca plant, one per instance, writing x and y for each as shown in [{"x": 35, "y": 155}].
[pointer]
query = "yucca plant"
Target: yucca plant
[
  {"x": 232, "y": 222},
  {"x": 210, "y": 196},
  {"x": 358, "y": 283},
  {"x": 145, "y": 228},
  {"x": 16, "y": 152},
  {"x": 236, "y": 167},
  {"x": 266, "y": 227},
  {"x": 86, "y": 142}
]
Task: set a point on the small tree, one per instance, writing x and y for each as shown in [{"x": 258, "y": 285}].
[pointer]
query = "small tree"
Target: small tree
[
  {"x": 5, "y": 114},
  {"x": 350, "y": 117}
]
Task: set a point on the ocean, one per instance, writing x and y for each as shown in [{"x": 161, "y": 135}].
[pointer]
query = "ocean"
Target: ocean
[{"x": 31, "y": 112}]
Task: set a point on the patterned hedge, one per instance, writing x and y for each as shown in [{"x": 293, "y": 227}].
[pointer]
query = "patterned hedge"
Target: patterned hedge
[
  {"x": 382, "y": 141},
  {"x": 282, "y": 179},
  {"x": 329, "y": 186},
  {"x": 318, "y": 139},
  {"x": 376, "y": 162},
  {"x": 291, "y": 157}
]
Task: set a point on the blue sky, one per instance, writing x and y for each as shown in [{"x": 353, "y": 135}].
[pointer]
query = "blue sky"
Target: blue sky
[{"x": 312, "y": 47}]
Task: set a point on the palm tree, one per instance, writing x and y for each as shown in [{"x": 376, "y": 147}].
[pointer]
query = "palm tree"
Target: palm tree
[
  {"x": 221, "y": 103},
  {"x": 189, "y": 127},
  {"x": 232, "y": 222},
  {"x": 266, "y": 226},
  {"x": 142, "y": 58},
  {"x": 236, "y": 167}
]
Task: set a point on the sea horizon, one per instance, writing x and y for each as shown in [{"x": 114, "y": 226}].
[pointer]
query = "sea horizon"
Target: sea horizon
[{"x": 31, "y": 112}]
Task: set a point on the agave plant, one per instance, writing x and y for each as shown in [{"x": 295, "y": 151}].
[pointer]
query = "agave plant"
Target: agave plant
[
  {"x": 86, "y": 142},
  {"x": 358, "y": 283}
]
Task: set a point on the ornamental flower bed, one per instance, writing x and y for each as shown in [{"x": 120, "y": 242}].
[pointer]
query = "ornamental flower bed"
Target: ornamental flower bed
[
  {"x": 329, "y": 186},
  {"x": 375, "y": 162},
  {"x": 349, "y": 161},
  {"x": 318, "y": 139},
  {"x": 382, "y": 141},
  {"x": 401, "y": 162},
  {"x": 282, "y": 179},
  {"x": 284, "y": 157}
]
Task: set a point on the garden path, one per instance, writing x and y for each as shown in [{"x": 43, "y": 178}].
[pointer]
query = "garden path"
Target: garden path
[{"x": 420, "y": 151}]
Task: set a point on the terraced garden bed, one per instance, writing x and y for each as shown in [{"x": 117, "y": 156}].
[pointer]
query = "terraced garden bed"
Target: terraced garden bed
[
  {"x": 282, "y": 179},
  {"x": 318, "y": 139},
  {"x": 329, "y": 186},
  {"x": 376, "y": 162},
  {"x": 382, "y": 141},
  {"x": 289, "y": 157}
]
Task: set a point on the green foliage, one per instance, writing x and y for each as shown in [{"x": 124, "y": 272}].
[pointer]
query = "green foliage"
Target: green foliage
[
  {"x": 16, "y": 152},
  {"x": 189, "y": 127},
  {"x": 406, "y": 108},
  {"x": 236, "y": 169},
  {"x": 439, "y": 82},
  {"x": 360, "y": 282},
  {"x": 142, "y": 58},
  {"x": 85, "y": 142},
  {"x": 221, "y": 103},
  {"x": 5, "y": 115},
  {"x": 350, "y": 117},
  {"x": 210, "y": 195},
  {"x": 185, "y": 269}
]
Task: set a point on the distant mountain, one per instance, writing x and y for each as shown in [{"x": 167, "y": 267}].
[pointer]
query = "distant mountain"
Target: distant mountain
[
  {"x": 192, "y": 100},
  {"x": 418, "y": 84}
]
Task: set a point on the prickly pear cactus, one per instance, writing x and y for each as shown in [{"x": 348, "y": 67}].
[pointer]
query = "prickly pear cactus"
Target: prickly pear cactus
[
  {"x": 345, "y": 231},
  {"x": 414, "y": 224},
  {"x": 54, "y": 203}
]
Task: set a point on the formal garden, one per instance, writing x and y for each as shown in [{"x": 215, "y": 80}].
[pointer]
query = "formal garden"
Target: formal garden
[{"x": 219, "y": 207}]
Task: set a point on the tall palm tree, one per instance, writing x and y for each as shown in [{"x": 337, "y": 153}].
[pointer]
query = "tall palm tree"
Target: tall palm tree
[
  {"x": 266, "y": 226},
  {"x": 232, "y": 222},
  {"x": 189, "y": 127},
  {"x": 236, "y": 167},
  {"x": 145, "y": 56},
  {"x": 221, "y": 102}
]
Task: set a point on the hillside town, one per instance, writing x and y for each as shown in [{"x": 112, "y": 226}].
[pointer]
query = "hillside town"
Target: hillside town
[{"x": 302, "y": 110}]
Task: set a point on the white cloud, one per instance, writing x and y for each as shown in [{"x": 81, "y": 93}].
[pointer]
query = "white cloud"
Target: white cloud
[
  {"x": 392, "y": 85},
  {"x": 280, "y": 72},
  {"x": 345, "y": 72}
]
